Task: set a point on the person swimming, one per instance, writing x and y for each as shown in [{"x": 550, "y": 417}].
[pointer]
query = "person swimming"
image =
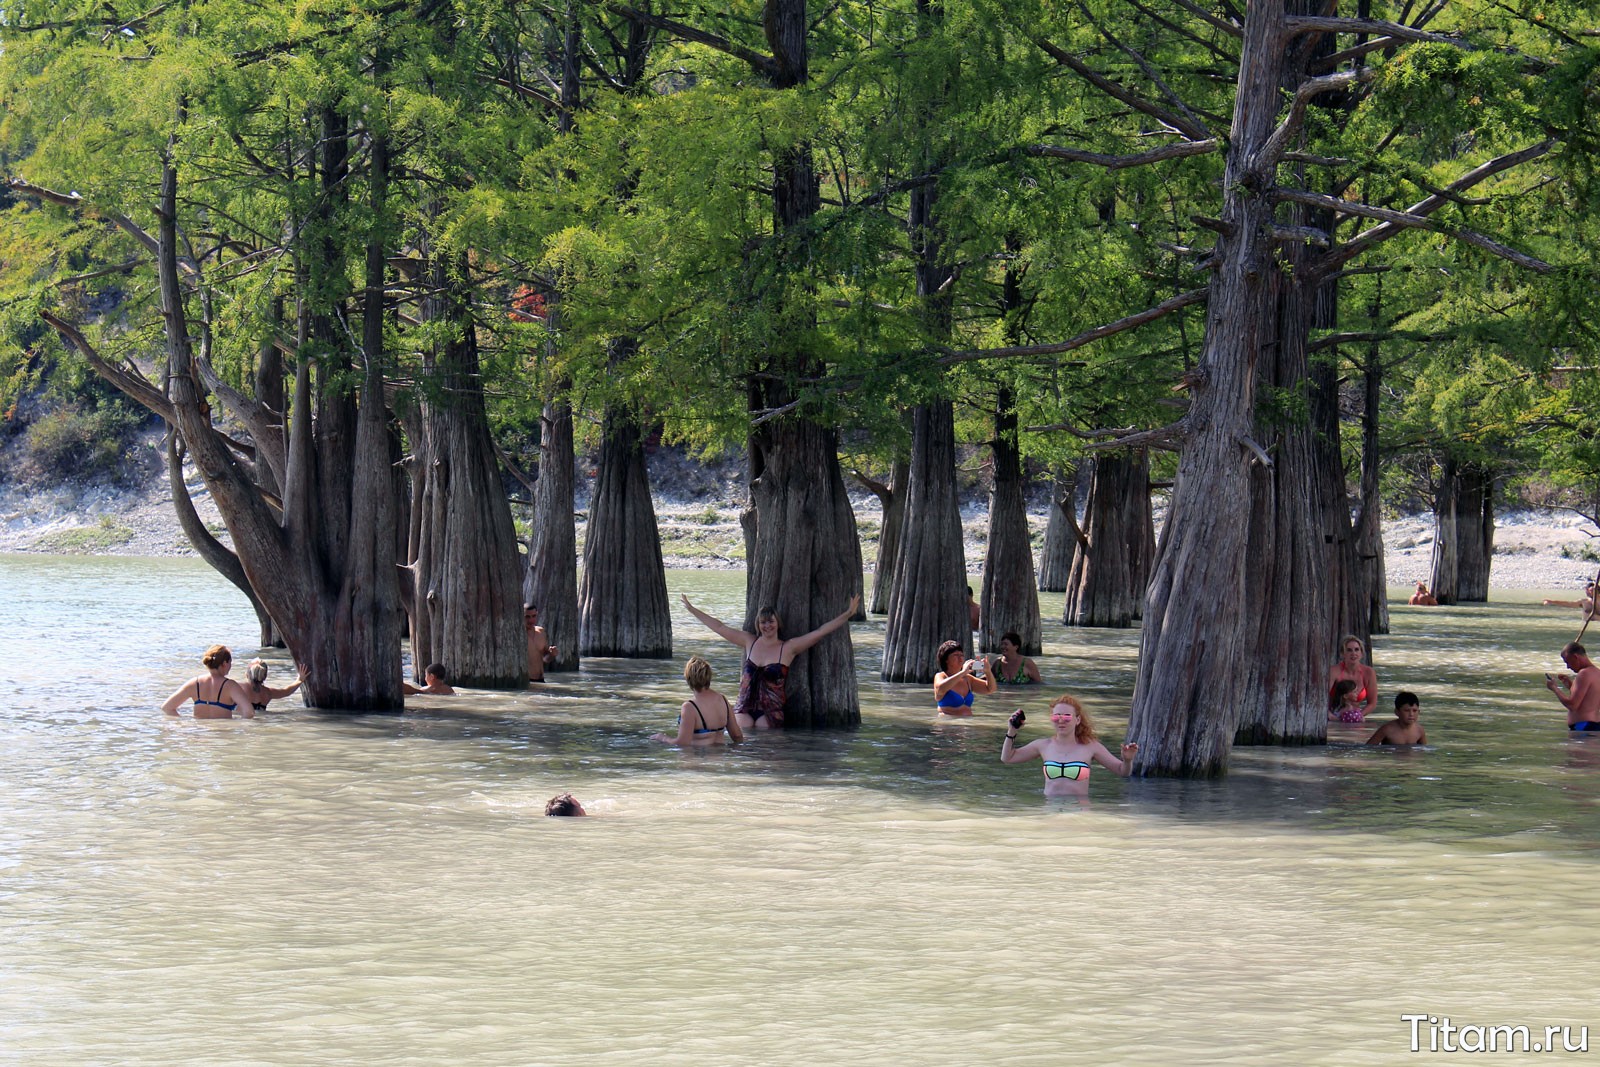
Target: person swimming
[
  {"x": 1066, "y": 755},
  {"x": 215, "y": 695}
]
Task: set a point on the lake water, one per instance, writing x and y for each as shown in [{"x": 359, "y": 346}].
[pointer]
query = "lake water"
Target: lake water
[{"x": 309, "y": 889}]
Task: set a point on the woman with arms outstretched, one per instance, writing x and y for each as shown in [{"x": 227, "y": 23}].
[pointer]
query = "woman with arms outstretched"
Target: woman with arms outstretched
[{"x": 766, "y": 661}]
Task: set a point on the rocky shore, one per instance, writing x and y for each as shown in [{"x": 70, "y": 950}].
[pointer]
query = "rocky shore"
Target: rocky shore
[{"x": 698, "y": 513}]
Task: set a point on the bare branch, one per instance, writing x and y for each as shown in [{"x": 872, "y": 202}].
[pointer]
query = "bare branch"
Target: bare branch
[
  {"x": 1166, "y": 307},
  {"x": 1149, "y": 71},
  {"x": 1269, "y": 152},
  {"x": 1138, "y": 159},
  {"x": 126, "y": 380},
  {"x": 1166, "y": 438},
  {"x": 1117, "y": 92},
  {"x": 1297, "y": 234},
  {"x": 1261, "y": 453},
  {"x": 765, "y": 64}
]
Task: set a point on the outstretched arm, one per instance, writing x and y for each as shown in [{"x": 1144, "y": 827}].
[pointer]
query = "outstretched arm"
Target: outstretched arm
[
  {"x": 175, "y": 701},
  {"x": 718, "y": 627},
  {"x": 794, "y": 646},
  {"x": 274, "y": 694}
]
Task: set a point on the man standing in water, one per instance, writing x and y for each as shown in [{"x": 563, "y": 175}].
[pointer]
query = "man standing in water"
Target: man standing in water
[
  {"x": 1582, "y": 699},
  {"x": 540, "y": 651}
]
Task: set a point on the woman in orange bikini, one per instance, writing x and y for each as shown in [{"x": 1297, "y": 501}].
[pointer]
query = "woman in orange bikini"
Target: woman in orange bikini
[{"x": 1350, "y": 667}]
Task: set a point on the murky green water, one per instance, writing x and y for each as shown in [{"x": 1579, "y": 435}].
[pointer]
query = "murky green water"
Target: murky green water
[{"x": 306, "y": 889}]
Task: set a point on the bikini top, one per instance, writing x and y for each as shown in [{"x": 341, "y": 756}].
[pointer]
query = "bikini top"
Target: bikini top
[
  {"x": 704, "y": 729},
  {"x": 953, "y": 699},
  {"x": 217, "y": 703},
  {"x": 1073, "y": 769},
  {"x": 775, "y": 671}
]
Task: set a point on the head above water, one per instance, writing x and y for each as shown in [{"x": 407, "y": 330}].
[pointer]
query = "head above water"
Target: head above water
[
  {"x": 1404, "y": 697},
  {"x": 697, "y": 672},
  {"x": 435, "y": 673},
  {"x": 1061, "y": 706},
  {"x": 1572, "y": 650},
  {"x": 563, "y": 804},
  {"x": 1352, "y": 639},
  {"x": 1013, "y": 637},
  {"x": 766, "y": 615},
  {"x": 217, "y": 657},
  {"x": 257, "y": 671},
  {"x": 1343, "y": 690},
  {"x": 946, "y": 650}
]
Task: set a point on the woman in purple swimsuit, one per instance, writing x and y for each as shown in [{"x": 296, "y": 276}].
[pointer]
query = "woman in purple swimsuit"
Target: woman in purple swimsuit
[{"x": 766, "y": 661}]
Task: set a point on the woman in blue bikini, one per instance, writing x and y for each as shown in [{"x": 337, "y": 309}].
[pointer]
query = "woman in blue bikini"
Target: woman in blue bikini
[
  {"x": 1066, "y": 755},
  {"x": 705, "y": 718},
  {"x": 958, "y": 680},
  {"x": 215, "y": 695}
]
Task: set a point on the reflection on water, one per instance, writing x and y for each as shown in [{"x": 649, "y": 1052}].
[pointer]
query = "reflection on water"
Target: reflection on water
[{"x": 310, "y": 889}]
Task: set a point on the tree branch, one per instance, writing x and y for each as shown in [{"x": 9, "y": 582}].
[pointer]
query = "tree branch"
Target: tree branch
[
  {"x": 1270, "y": 152},
  {"x": 763, "y": 64},
  {"x": 129, "y": 382},
  {"x": 1117, "y": 92},
  {"x": 1138, "y": 159},
  {"x": 1166, "y": 307}
]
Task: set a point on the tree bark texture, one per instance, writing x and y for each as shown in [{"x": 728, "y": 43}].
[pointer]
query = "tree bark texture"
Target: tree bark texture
[
  {"x": 622, "y": 594},
  {"x": 1463, "y": 533},
  {"x": 1062, "y": 535},
  {"x": 1110, "y": 574},
  {"x": 1196, "y": 625},
  {"x": 928, "y": 603},
  {"x": 894, "y": 510},
  {"x": 467, "y": 610},
  {"x": 551, "y": 583},
  {"x": 1373, "y": 579},
  {"x": 1010, "y": 601}
]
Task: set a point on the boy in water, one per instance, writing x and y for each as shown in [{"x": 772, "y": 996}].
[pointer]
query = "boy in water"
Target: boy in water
[
  {"x": 1405, "y": 729},
  {"x": 1347, "y": 702},
  {"x": 438, "y": 683}
]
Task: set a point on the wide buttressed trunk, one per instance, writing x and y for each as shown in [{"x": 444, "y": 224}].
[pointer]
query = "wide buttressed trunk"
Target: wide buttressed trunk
[
  {"x": 1463, "y": 533},
  {"x": 1061, "y": 536},
  {"x": 1196, "y": 620},
  {"x": 1111, "y": 571},
  {"x": 806, "y": 564},
  {"x": 622, "y": 594},
  {"x": 1010, "y": 601},
  {"x": 467, "y": 607},
  {"x": 928, "y": 604},
  {"x": 894, "y": 512},
  {"x": 551, "y": 583}
]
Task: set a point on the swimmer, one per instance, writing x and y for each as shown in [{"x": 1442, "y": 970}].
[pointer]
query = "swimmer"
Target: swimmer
[
  {"x": 215, "y": 695},
  {"x": 1582, "y": 699},
  {"x": 1066, "y": 755},
  {"x": 261, "y": 694},
  {"x": 438, "y": 683},
  {"x": 958, "y": 680},
  {"x": 1351, "y": 667},
  {"x": 1405, "y": 729},
  {"x": 766, "y": 661},
  {"x": 563, "y": 804},
  {"x": 541, "y": 653},
  {"x": 1426, "y": 599},
  {"x": 1011, "y": 667},
  {"x": 1586, "y": 605},
  {"x": 706, "y": 718},
  {"x": 1348, "y": 707}
]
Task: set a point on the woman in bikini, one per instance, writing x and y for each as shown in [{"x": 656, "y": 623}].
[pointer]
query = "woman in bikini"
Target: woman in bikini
[
  {"x": 1011, "y": 667},
  {"x": 706, "y": 718},
  {"x": 1067, "y": 754},
  {"x": 260, "y": 693},
  {"x": 766, "y": 661},
  {"x": 958, "y": 681},
  {"x": 215, "y": 695},
  {"x": 1350, "y": 667}
]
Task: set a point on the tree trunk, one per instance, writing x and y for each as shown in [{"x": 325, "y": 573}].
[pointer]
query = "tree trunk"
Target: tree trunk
[
  {"x": 1373, "y": 580},
  {"x": 1010, "y": 600},
  {"x": 551, "y": 583},
  {"x": 928, "y": 604},
  {"x": 1196, "y": 618},
  {"x": 1109, "y": 575},
  {"x": 467, "y": 610},
  {"x": 622, "y": 595},
  {"x": 1446, "y": 541},
  {"x": 1061, "y": 535},
  {"x": 1475, "y": 530},
  {"x": 894, "y": 510}
]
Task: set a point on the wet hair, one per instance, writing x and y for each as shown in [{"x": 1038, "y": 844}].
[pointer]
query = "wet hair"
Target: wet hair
[
  {"x": 257, "y": 671},
  {"x": 1013, "y": 637},
  {"x": 1344, "y": 643},
  {"x": 1343, "y": 688},
  {"x": 563, "y": 804},
  {"x": 1570, "y": 648},
  {"x": 945, "y": 651},
  {"x": 1404, "y": 697},
  {"x": 1083, "y": 729},
  {"x": 216, "y": 656},
  {"x": 437, "y": 670},
  {"x": 697, "y": 672}
]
